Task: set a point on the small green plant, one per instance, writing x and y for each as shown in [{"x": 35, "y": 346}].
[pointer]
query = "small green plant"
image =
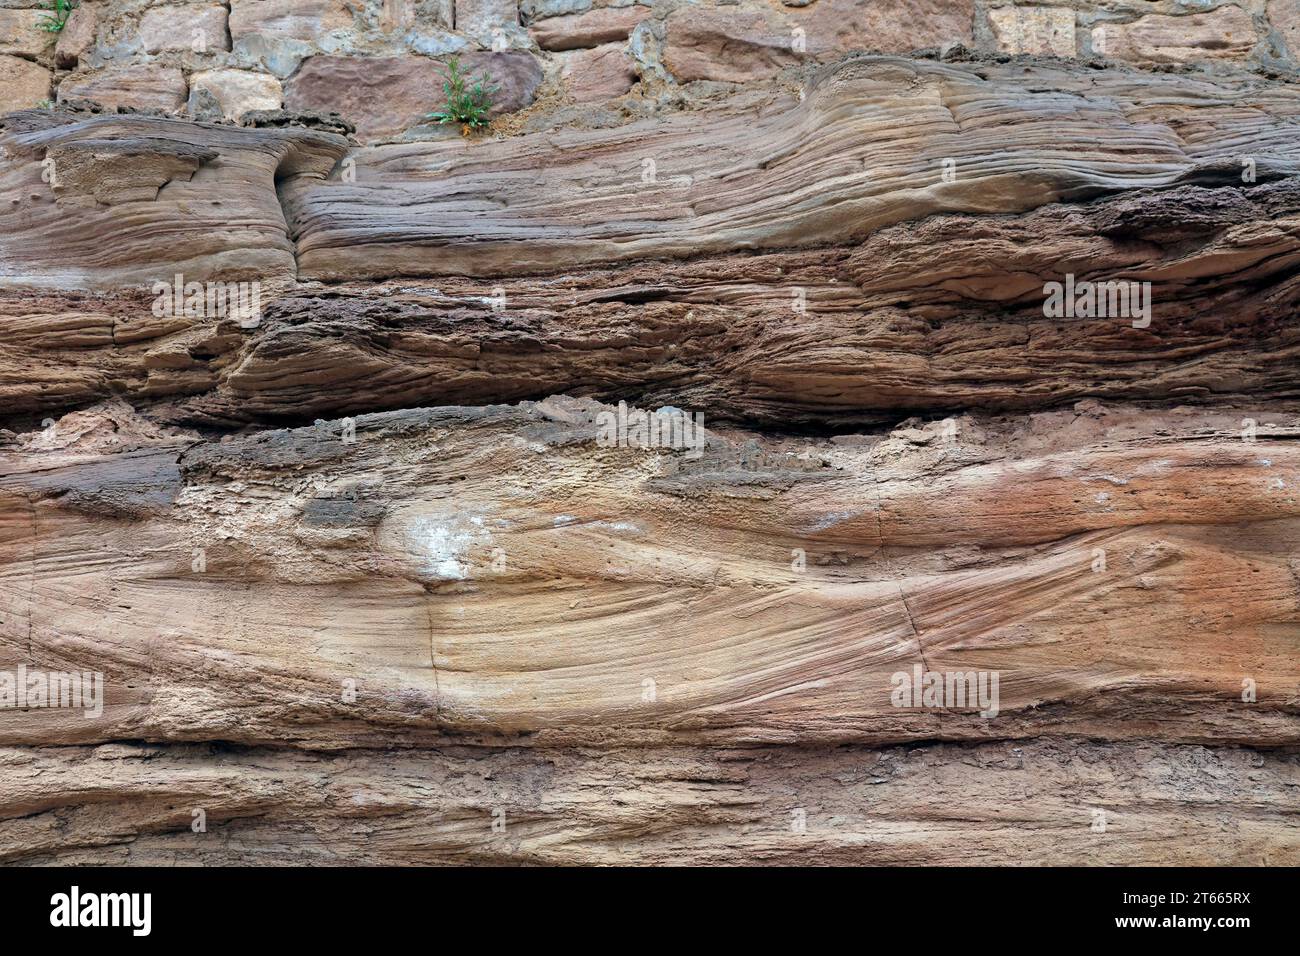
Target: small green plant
[
  {"x": 57, "y": 18},
  {"x": 467, "y": 104}
]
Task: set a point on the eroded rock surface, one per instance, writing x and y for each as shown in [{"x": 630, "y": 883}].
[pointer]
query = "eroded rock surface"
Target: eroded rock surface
[{"x": 398, "y": 549}]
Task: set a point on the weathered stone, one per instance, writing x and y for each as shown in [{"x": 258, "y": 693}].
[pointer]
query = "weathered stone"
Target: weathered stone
[
  {"x": 23, "y": 84},
  {"x": 599, "y": 74},
  {"x": 214, "y": 212},
  {"x": 387, "y": 95},
  {"x": 703, "y": 44},
  {"x": 1285, "y": 17},
  {"x": 588, "y": 29},
  {"x": 144, "y": 86},
  {"x": 299, "y": 119},
  {"x": 397, "y": 16},
  {"x": 76, "y": 37},
  {"x": 203, "y": 107},
  {"x": 306, "y": 20},
  {"x": 190, "y": 27},
  {"x": 540, "y": 9},
  {"x": 1038, "y": 30},
  {"x": 752, "y": 41},
  {"x": 490, "y": 23},
  {"x": 668, "y": 806},
  {"x": 944, "y": 103},
  {"x": 277, "y": 55},
  {"x": 1225, "y": 33},
  {"x": 20, "y": 36},
  {"x": 435, "y": 43},
  {"x": 887, "y": 26},
  {"x": 350, "y": 641},
  {"x": 237, "y": 91}
]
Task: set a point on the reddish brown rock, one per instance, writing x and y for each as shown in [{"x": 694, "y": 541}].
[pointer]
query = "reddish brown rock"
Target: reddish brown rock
[
  {"x": 20, "y": 35},
  {"x": 308, "y": 20},
  {"x": 590, "y": 29},
  {"x": 1225, "y": 33},
  {"x": 146, "y": 86},
  {"x": 914, "y": 292},
  {"x": 1284, "y": 15},
  {"x": 121, "y": 181},
  {"x": 740, "y": 44},
  {"x": 190, "y": 27},
  {"x": 370, "y": 639},
  {"x": 76, "y": 37},
  {"x": 385, "y": 96},
  {"x": 558, "y": 579},
  {"x": 599, "y": 74},
  {"x": 734, "y": 47},
  {"x": 1031, "y": 802},
  {"x": 887, "y": 26},
  {"x": 23, "y": 84}
]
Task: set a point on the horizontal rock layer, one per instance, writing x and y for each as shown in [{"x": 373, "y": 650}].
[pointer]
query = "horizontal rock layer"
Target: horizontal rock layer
[
  {"x": 876, "y": 141},
  {"x": 830, "y": 170},
  {"x": 868, "y": 318},
  {"x": 470, "y": 569},
  {"x": 1046, "y": 802}
]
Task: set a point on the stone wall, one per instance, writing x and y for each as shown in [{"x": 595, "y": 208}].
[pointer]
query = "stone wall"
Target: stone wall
[{"x": 596, "y": 61}]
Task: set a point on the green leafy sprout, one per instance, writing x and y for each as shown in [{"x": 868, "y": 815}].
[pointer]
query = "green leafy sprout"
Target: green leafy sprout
[
  {"x": 468, "y": 99},
  {"x": 57, "y": 18}
]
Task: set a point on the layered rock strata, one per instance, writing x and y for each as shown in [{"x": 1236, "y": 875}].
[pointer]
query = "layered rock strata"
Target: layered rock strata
[{"x": 391, "y": 568}]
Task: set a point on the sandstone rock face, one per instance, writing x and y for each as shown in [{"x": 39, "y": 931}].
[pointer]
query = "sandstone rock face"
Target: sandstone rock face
[
  {"x": 1227, "y": 33},
  {"x": 736, "y": 47},
  {"x": 654, "y": 473},
  {"x": 600, "y": 73},
  {"x": 745, "y": 43},
  {"x": 277, "y": 35},
  {"x": 238, "y": 91},
  {"x": 306, "y": 20},
  {"x": 883, "y": 587},
  {"x": 1002, "y": 803},
  {"x": 594, "y": 28},
  {"x": 385, "y": 96},
  {"x": 479, "y": 18},
  {"x": 1041, "y": 30},
  {"x": 188, "y": 27},
  {"x": 589, "y": 206},
  {"x": 143, "y": 177},
  {"x": 1284, "y": 15},
  {"x": 23, "y": 84},
  {"x": 76, "y": 37},
  {"x": 20, "y": 36},
  {"x": 138, "y": 87},
  {"x": 540, "y": 9}
]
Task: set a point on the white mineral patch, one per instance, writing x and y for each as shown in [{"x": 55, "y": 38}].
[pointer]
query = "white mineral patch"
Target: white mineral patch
[{"x": 443, "y": 543}]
